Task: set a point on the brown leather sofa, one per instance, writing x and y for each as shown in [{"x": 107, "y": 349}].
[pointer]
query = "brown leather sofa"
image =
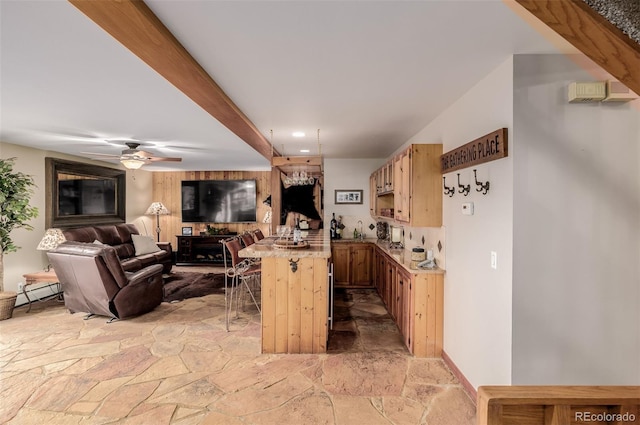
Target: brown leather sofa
[
  {"x": 94, "y": 282},
  {"x": 119, "y": 237}
]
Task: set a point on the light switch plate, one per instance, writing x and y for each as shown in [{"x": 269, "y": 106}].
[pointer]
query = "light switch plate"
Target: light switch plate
[
  {"x": 494, "y": 260},
  {"x": 467, "y": 208}
]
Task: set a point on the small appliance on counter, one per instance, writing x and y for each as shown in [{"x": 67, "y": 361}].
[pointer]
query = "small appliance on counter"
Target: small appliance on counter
[
  {"x": 417, "y": 256},
  {"x": 397, "y": 237},
  {"x": 382, "y": 230},
  {"x": 428, "y": 263}
]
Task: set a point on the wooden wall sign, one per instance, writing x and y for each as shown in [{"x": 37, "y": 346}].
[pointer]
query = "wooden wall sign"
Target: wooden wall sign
[{"x": 484, "y": 149}]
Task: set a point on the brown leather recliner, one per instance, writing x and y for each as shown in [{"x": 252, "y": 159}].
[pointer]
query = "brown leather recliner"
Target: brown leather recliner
[{"x": 93, "y": 281}]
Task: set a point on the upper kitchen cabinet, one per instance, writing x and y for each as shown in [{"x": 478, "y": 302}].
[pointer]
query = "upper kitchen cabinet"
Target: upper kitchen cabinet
[
  {"x": 417, "y": 186},
  {"x": 414, "y": 177}
]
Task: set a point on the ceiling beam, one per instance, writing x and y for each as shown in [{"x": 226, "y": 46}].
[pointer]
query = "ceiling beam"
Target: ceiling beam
[
  {"x": 134, "y": 25},
  {"x": 593, "y": 35}
]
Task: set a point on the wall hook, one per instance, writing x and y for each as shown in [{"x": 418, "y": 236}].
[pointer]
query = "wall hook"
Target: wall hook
[
  {"x": 462, "y": 188},
  {"x": 448, "y": 190},
  {"x": 481, "y": 186}
]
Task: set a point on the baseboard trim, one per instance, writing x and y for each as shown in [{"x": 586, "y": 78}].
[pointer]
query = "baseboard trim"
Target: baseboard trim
[{"x": 466, "y": 385}]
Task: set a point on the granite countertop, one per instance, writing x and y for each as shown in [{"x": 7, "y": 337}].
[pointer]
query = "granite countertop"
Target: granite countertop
[
  {"x": 401, "y": 256},
  {"x": 319, "y": 247},
  {"x": 351, "y": 240}
]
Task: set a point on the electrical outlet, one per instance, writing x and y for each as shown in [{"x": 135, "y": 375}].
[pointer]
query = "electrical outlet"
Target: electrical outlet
[
  {"x": 20, "y": 286},
  {"x": 494, "y": 260}
]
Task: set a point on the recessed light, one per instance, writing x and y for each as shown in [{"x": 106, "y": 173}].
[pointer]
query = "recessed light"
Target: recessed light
[
  {"x": 304, "y": 150},
  {"x": 298, "y": 134}
]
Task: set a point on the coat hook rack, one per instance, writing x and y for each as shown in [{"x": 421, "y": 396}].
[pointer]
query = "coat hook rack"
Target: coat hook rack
[
  {"x": 462, "y": 188},
  {"x": 481, "y": 187},
  {"x": 448, "y": 190}
]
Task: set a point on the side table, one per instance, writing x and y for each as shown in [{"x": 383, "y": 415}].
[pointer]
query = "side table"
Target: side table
[{"x": 43, "y": 276}]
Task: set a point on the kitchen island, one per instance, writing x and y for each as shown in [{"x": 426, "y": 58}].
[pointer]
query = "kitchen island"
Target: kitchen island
[{"x": 295, "y": 293}]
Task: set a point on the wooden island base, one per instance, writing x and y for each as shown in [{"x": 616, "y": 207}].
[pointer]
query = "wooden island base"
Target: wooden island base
[
  {"x": 294, "y": 305},
  {"x": 295, "y": 294}
]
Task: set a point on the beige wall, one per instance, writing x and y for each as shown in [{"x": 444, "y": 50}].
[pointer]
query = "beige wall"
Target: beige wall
[
  {"x": 349, "y": 174},
  {"x": 477, "y": 312},
  {"x": 576, "y": 274},
  {"x": 31, "y": 161}
]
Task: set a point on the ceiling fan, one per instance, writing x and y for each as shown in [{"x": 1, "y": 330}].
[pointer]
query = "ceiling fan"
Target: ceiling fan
[{"x": 133, "y": 158}]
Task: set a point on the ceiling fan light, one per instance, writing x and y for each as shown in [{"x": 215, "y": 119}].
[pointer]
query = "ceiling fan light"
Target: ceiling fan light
[{"x": 132, "y": 163}]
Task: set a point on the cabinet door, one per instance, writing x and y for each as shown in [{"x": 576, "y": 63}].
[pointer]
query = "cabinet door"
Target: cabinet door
[
  {"x": 373, "y": 195},
  {"x": 404, "y": 205},
  {"x": 388, "y": 182},
  {"x": 184, "y": 249},
  {"x": 391, "y": 290},
  {"x": 376, "y": 270},
  {"x": 401, "y": 187},
  {"x": 403, "y": 319},
  {"x": 381, "y": 276},
  {"x": 341, "y": 264},
  {"x": 361, "y": 264}
]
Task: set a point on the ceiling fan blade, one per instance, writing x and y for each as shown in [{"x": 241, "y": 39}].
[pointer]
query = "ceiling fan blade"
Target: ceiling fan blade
[
  {"x": 143, "y": 154},
  {"x": 160, "y": 159},
  {"x": 103, "y": 155}
]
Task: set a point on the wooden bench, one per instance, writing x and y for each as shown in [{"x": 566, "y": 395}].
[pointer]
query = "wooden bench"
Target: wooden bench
[{"x": 558, "y": 405}]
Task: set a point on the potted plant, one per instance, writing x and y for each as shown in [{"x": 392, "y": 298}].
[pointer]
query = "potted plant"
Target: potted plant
[{"x": 16, "y": 189}]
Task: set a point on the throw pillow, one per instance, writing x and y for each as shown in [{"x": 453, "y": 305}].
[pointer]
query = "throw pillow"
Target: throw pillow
[{"x": 144, "y": 244}]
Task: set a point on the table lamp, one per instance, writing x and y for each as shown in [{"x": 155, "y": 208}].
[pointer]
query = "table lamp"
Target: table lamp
[
  {"x": 51, "y": 239},
  {"x": 157, "y": 209}
]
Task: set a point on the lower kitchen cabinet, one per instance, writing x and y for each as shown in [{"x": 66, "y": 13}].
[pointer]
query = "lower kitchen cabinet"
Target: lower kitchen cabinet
[
  {"x": 415, "y": 301},
  {"x": 352, "y": 264}
]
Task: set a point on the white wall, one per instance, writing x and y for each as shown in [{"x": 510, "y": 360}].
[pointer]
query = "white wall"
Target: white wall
[
  {"x": 576, "y": 274},
  {"x": 477, "y": 312},
  {"x": 32, "y": 162},
  {"x": 349, "y": 174}
]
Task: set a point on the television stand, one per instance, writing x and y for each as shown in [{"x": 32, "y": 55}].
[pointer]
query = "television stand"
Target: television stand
[{"x": 194, "y": 250}]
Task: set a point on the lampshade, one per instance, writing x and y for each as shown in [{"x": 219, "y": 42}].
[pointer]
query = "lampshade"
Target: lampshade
[
  {"x": 157, "y": 208},
  {"x": 132, "y": 163},
  {"x": 51, "y": 239}
]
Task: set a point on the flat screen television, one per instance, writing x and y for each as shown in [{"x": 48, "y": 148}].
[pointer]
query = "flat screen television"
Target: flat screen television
[{"x": 219, "y": 201}]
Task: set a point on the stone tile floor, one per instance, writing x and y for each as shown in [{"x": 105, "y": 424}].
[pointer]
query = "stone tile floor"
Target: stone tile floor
[{"x": 178, "y": 365}]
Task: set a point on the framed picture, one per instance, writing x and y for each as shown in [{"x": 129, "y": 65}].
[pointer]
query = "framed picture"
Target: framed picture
[
  {"x": 344, "y": 196},
  {"x": 187, "y": 231}
]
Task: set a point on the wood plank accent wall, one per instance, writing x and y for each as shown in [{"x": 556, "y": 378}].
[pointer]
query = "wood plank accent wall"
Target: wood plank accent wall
[{"x": 167, "y": 189}]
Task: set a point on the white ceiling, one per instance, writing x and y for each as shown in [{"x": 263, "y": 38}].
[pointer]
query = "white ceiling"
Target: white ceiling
[{"x": 368, "y": 74}]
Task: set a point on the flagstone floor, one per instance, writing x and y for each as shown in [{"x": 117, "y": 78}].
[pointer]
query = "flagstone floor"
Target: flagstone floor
[{"x": 178, "y": 365}]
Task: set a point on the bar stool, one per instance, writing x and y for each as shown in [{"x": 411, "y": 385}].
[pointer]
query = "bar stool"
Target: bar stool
[
  {"x": 258, "y": 235},
  {"x": 247, "y": 239},
  {"x": 239, "y": 274}
]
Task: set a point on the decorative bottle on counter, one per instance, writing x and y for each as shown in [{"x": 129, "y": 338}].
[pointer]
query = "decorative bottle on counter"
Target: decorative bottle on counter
[
  {"x": 339, "y": 229},
  {"x": 297, "y": 233},
  {"x": 334, "y": 227}
]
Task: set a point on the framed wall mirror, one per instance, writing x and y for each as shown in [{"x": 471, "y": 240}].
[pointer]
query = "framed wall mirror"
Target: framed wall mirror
[{"x": 81, "y": 194}]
